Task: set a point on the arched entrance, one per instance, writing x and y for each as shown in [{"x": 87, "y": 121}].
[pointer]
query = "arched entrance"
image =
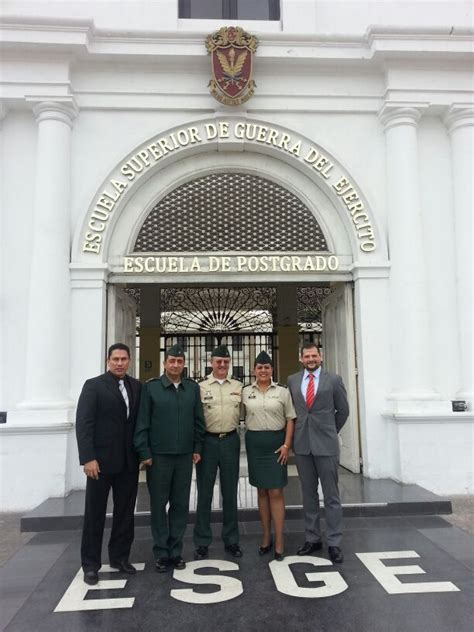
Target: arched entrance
[
  {"x": 242, "y": 220},
  {"x": 250, "y": 223},
  {"x": 227, "y": 214}
]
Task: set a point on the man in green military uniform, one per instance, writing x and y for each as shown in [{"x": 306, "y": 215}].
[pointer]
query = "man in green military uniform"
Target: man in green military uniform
[
  {"x": 221, "y": 397},
  {"x": 168, "y": 438}
]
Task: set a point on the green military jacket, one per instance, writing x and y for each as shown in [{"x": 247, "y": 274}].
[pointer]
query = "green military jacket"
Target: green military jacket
[{"x": 170, "y": 420}]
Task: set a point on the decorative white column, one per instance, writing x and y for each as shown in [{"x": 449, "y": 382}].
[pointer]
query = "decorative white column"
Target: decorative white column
[
  {"x": 460, "y": 123},
  {"x": 88, "y": 323},
  {"x": 47, "y": 361},
  {"x": 410, "y": 345},
  {"x": 3, "y": 113},
  {"x": 372, "y": 333}
]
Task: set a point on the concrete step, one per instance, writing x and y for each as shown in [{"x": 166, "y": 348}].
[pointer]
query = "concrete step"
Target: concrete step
[{"x": 361, "y": 497}]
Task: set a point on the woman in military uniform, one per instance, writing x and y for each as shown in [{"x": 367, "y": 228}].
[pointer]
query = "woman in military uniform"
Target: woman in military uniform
[{"x": 269, "y": 420}]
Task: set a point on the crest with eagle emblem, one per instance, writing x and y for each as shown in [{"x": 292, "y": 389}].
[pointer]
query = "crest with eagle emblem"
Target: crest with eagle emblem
[{"x": 231, "y": 50}]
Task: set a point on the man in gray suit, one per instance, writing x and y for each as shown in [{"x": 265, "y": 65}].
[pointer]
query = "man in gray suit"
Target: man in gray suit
[{"x": 322, "y": 409}]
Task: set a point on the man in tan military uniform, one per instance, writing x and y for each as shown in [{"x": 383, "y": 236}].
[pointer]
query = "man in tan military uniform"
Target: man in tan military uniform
[{"x": 221, "y": 397}]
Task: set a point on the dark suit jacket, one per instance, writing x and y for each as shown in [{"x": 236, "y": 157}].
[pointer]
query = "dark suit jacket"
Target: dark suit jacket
[
  {"x": 102, "y": 429},
  {"x": 316, "y": 429}
]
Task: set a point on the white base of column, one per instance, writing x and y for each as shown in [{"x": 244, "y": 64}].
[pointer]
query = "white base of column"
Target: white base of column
[
  {"x": 467, "y": 396},
  {"x": 433, "y": 451},
  {"x": 422, "y": 402},
  {"x": 46, "y": 405},
  {"x": 34, "y": 455},
  {"x": 39, "y": 420}
]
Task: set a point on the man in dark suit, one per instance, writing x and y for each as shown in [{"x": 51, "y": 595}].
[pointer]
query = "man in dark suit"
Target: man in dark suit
[
  {"x": 105, "y": 423},
  {"x": 322, "y": 409}
]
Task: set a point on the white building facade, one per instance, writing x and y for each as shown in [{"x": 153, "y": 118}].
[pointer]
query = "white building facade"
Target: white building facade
[{"x": 363, "y": 111}]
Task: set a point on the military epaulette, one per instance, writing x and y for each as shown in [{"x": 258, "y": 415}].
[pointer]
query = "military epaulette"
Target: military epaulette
[
  {"x": 249, "y": 384},
  {"x": 283, "y": 385},
  {"x": 236, "y": 379},
  {"x": 153, "y": 379}
]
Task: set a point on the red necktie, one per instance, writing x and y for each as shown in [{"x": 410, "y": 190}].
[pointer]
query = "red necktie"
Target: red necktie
[{"x": 310, "y": 391}]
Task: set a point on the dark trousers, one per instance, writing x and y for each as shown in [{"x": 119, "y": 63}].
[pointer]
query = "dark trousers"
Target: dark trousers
[
  {"x": 222, "y": 454},
  {"x": 124, "y": 490},
  {"x": 169, "y": 481}
]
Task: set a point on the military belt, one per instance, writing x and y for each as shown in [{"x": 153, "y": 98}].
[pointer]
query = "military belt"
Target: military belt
[{"x": 221, "y": 435}]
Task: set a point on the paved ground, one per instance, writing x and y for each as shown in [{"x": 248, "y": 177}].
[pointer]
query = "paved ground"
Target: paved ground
[
  {"x": 12, "y": 539},
  {"x": 463, "y": 513},
  {"x": 401, "y": 574}
]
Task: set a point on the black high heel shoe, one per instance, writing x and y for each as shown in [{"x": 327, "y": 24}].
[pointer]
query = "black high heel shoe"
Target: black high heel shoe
[
  {"x": 262, "y": 550},
  {"x": 279, "y": 556}
]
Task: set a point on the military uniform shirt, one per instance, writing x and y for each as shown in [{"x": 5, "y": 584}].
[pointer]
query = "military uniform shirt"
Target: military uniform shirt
[
  {"x": 221, "y": 403},
  {"x": 170, "y": 420},
  {"x": 269, "y": 410}
]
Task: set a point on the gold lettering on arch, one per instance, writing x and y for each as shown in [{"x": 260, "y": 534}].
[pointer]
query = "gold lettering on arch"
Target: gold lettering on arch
[{"x": 132, "y": 170}]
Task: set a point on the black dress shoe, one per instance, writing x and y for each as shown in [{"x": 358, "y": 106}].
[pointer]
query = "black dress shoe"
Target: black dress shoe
[
  {"x": 124, "y": 566},
  {"x": 335, "y": 554},
  {"x": 265, "y": 549},
  {"x": 279, "y": 556},
  {"x": 178, "y": 562},
  {"x": 200, "y": 553},
  {"x": 309, "y": 547},
  {"x": 91, "y": 577},
  {"x": 234, "y": 550},
  {"x": 162, "y": 564}
]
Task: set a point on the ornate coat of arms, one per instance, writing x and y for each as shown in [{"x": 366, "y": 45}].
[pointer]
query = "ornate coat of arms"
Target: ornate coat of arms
[{"x": 231, "y": 50}]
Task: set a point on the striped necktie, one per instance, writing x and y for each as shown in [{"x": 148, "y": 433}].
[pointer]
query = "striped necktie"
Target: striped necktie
[
  {"x": 123, "y": 390},
  {"x": 310, "y": 391}
]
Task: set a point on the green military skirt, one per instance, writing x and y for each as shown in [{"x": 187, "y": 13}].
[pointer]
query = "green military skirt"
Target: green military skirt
[{"x": 264, "y": 471}]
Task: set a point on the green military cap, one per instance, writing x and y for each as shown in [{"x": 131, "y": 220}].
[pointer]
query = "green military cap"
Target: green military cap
[
  {"x": 176, "y": 351},
  {"x": 220, "y": 352},
  {"x": 263, "y": 358}
]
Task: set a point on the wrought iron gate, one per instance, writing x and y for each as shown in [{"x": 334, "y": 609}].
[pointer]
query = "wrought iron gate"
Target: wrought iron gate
[
  {"x": 199, "y": 319},
  {"x": 243, "y": 318},
  {"x": 243, "y": 348}
]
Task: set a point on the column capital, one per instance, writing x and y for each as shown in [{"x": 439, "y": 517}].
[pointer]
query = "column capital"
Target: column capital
[
  {"x": 459, "y": 115},
  {"x": 393, "y": 114},
  {"x": 88, "y": 276},
  {"x": 62, "y": 110}
]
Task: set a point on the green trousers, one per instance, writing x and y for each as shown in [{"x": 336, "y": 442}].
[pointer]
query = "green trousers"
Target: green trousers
[
  {"x": 222, "y": 454},
  {"x": 169, "y": 480}
]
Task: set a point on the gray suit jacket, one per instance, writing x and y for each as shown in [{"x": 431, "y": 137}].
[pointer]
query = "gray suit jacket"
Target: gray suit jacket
[{"x": 316, "y": 429}]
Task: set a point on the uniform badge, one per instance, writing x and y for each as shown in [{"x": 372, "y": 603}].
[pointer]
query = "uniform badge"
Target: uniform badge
[
  {"x": 208, "y": 395},
  {"x": 231, "y": 50},
  {"x": 252, "y": 395}
]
